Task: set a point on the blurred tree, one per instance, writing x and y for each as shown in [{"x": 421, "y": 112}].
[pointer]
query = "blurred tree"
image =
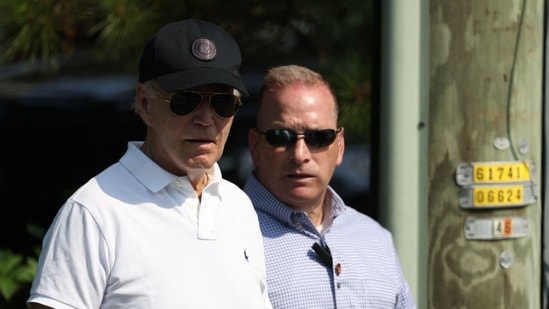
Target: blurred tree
[{"x": 334, "y": 37}]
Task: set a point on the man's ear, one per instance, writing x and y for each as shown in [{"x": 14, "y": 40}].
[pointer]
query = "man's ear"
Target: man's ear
[
  {"x": 253, "y": 139},
  {"x": 143, "y": 103},
  {"x": 340, "y": 146}
]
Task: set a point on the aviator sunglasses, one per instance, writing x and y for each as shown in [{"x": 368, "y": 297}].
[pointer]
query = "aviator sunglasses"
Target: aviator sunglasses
[
  {"x": 182, "y": 103},
  {"x": 288, "y": 138}
]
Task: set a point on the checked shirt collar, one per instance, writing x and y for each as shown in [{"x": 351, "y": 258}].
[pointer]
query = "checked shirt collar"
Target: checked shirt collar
[{"x": 265, "y": 201}]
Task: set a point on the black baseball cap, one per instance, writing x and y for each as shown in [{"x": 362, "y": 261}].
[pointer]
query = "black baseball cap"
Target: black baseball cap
[{"x": 191, "y": 53}]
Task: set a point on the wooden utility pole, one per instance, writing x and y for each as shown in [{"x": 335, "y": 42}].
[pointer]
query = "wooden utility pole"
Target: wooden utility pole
[{"x": 485, "y": 124}]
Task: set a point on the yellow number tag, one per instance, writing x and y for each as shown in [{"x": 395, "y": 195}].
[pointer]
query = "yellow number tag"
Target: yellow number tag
[
  {"x": 498, "y": 196},
  {"x": 501, "y": 173}
]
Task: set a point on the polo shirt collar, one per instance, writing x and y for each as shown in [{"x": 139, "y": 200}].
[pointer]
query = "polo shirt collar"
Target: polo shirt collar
[{"x": 150, "y": 174}]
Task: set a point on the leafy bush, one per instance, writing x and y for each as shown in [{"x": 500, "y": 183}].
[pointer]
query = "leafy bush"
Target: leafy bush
[{"x": 16, "y": 273}]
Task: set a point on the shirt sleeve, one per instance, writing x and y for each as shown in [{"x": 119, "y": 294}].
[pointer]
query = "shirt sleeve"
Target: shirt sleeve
[{"x": 73, "y": 266}]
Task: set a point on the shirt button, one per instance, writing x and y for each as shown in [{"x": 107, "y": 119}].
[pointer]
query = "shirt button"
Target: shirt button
[
  {"x": 338, "y": 269},
  {"x": 177, "y": 183}
]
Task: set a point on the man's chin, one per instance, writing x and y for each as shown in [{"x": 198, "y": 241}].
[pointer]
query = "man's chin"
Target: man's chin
[{"x": 202, "y": 162}]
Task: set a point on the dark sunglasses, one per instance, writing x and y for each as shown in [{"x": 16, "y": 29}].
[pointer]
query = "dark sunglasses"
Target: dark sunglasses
[
  {"x": 182, "y": 103},
  {"x": 288, "y": 138}
]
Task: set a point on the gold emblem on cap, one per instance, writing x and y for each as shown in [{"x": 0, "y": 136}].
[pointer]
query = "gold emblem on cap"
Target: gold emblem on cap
[{"x": 203, "y": 49}]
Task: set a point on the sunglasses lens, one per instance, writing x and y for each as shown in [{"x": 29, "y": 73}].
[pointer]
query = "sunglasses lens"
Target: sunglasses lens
[
  {"x": 320, "y": 138},
  {"x": 280, "y": 137},
  {"x": 224, "y": 105},
  {"x": 288, "y": 138},
  {"x": 183, "y": 103}
]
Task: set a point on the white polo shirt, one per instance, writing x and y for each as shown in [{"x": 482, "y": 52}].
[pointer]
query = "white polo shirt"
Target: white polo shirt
[{"x": 129, "y": 238}]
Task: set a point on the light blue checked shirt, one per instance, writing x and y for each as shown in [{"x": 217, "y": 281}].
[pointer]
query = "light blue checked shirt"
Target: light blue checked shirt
[{"x": 365, "y": 272}]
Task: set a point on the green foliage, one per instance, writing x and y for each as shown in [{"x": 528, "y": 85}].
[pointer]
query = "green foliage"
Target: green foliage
[
  {"x": 269, "y": 32},
  {"x": 39, "y": 30},
  {"x": 351, "y": 83},
  {"x": 121, "y": 30},
  {"x": 16, "y": 272}
]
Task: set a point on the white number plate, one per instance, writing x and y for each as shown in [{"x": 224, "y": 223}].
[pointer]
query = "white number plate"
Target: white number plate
[{"x": 495, "y": 228}]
